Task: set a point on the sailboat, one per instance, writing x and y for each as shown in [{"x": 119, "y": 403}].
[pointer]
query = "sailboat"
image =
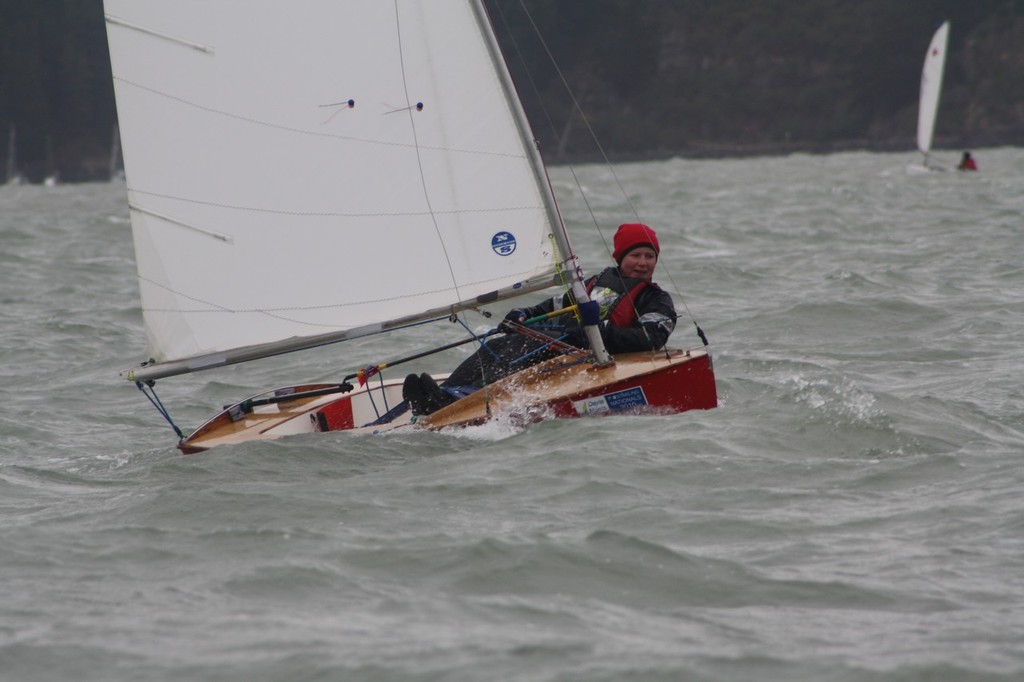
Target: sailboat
[
  {"x": 12, "y": 176},
  {"x": 114, "y": 170},
  {"x": 302, "y": 174},
  {"x": 931, "y": 88},
  {"x": 52, "y": 178}
]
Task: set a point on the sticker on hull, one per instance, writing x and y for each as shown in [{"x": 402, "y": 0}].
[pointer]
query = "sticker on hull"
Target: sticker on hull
[{"x": 628, "y": 399}]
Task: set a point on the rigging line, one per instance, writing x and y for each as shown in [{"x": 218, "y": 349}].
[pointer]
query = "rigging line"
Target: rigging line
[
  {"x": 547, "y": 114},
  {"x": 154, "y": 399},
  {"x": 593, "y": 135},
  {"x": 419, "y": 158},
  {"x": 551, "y": 123},
  {"x": 328, "y": 376},
  {"x": 481, "y": 340},
  {"x": 383, "y": 393},
  {"x": 560, "y": 268}
]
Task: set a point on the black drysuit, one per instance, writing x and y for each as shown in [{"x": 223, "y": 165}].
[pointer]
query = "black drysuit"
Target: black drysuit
[{"x": 653, "y": 322}]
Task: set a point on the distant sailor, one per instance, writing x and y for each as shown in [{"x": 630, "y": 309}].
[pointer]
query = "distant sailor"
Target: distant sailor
[
  {"x": 967, "y": 163},
  {"x": 636, "y": 315}
]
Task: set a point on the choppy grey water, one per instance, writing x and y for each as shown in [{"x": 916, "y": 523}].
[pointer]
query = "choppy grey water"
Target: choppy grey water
[{"x": 853, "y": 510}]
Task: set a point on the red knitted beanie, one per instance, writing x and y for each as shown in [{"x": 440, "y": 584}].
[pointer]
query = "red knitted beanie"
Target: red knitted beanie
[{"x": 632, "y": 235}]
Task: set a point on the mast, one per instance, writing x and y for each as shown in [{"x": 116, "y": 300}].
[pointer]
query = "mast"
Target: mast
[{"x": 561, "y": 236}]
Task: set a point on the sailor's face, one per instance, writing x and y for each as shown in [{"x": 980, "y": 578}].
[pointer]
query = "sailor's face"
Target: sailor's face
[{"x": 640, "y": 262}]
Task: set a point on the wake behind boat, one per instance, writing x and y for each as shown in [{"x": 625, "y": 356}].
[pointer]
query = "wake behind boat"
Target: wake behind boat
[{"x": 271, "y": 164}]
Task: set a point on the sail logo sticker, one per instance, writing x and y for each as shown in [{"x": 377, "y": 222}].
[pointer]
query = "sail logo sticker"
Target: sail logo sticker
[
  {"x": 629, "y": 399},
  {"x": 503, "y": 243}
]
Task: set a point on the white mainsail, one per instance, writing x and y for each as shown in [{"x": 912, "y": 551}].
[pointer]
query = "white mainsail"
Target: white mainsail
[
  {"x": 931, "y": 87},
  {"x": 270, "y": 215}
]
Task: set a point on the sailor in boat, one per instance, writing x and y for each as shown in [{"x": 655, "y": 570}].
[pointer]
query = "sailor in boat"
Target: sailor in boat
[
  {"x": 967, "y": 163},
  {"x": 636, "y": 315}
]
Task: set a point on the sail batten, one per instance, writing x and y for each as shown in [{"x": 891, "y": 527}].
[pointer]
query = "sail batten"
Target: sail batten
[
  {"x": 111, "y": 19},
  {"x": 265, "y": 222}
]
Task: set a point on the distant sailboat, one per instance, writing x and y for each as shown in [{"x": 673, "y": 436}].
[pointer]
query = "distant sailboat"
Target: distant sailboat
[
  {"x": 931, "y": 88},
  {"x": 116, "y": 168},
  {"x": 13, "y": 176},
  {"x": 52, "y": 175}
]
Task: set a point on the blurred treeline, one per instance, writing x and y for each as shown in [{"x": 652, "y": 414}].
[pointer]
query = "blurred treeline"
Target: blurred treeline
[
  {"x": 653, "y": 77},
  {"x": 55, "y": 88}
]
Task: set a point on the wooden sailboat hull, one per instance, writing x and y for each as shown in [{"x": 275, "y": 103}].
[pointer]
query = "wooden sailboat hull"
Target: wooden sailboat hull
[
  {"x": 313, "y": 413},
  {"x": 662, "y": 382}
]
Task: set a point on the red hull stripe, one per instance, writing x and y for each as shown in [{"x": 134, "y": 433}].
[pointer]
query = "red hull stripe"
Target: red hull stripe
[
  {"x": 690, "y": 386},
  {"x": 336, "y": 416}
]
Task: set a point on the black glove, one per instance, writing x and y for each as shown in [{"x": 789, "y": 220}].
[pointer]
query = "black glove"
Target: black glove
[{"x": 517, "y": 316}]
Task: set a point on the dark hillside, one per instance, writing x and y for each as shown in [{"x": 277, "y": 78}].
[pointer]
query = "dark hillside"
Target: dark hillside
[
  {"x": 696, "y": 77},
  {"x": 654, "y": 77}
]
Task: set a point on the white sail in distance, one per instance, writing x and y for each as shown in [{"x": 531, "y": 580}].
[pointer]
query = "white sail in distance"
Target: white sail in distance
[
  {"x": 931, "y": 88},
  {"x": 304, "y": 172}
]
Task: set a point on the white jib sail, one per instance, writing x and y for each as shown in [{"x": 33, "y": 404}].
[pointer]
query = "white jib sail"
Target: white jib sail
[
  {"x": 931, "y": 87},
  {"x": 268, "y": 214}
]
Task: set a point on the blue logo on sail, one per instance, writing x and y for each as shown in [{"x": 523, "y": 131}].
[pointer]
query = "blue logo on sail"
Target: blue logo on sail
[{"x": 503, "y": 243}]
